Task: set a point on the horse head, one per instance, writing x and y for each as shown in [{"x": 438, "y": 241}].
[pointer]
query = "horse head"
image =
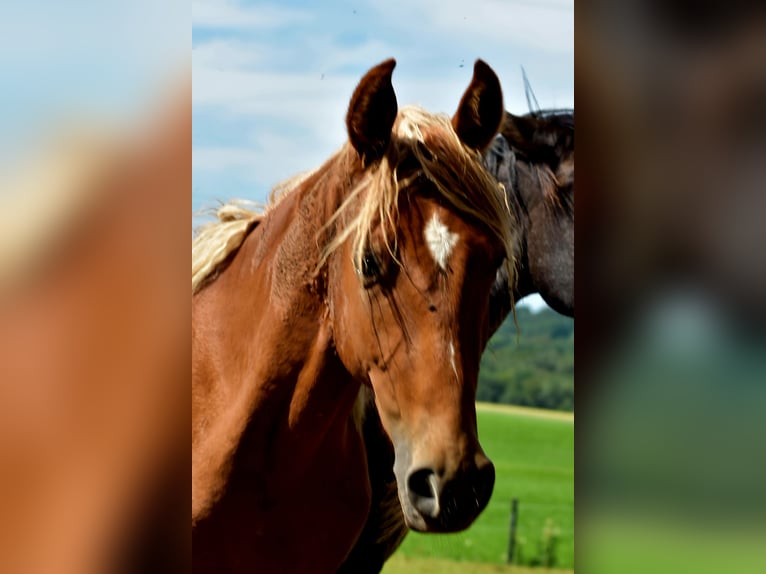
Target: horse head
[
  {"x": 411, "y": 263},
  {"x": 534, "y": 160}
]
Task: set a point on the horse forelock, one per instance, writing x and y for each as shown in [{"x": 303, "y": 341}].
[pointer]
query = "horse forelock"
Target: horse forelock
[{"x": 456, "y": 172}]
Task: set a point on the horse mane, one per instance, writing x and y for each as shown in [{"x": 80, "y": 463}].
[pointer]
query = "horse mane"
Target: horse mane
[
  {"x": 563, "y": 118},
  {"x": 455, "y": 171},
  {"x": 560, "y": 121},
  {"x": 215, "y": 242},
  {"x": 530, "y": 147}
]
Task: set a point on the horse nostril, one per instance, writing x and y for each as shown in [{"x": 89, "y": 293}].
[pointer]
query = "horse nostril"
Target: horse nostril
[
  {"x": 419, "y": 482},
  {"x": 485, "y": 482},
  {"x": 423, "y": 489}
]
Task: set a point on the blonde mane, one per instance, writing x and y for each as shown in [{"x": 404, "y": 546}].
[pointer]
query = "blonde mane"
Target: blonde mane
[
  {"x": 456, "y": 172},
  {"x": 214, "y": 242}
]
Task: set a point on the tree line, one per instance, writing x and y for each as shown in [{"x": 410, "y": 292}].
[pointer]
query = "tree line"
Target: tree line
[{"x": 533, "y": 366}]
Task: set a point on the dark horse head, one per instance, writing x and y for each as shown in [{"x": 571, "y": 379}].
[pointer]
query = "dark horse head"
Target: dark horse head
[{"x": 534, "y": 160}]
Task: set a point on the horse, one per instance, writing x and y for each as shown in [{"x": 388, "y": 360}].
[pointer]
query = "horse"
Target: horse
[
  {"x": 372, "y": 272},
  {"x": 533, "y": 159},
  {"x": 94, "y": 355}
]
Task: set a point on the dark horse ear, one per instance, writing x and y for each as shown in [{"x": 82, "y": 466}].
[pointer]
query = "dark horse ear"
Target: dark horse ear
[
  {"x": 519, "y": 130},
  {"x": 372, "y": 112},
  {"x": 480, "y": 111}
]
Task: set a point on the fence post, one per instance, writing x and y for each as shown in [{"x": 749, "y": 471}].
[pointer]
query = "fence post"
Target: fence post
[{"x": 512, "y": 537}]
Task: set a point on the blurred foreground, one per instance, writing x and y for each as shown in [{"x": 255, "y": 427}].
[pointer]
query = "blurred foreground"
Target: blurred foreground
[{"x": 94, "y": 352}]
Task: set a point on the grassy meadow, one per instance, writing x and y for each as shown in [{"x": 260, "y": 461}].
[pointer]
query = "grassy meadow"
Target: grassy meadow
[
  {"x": 533, "y": 452},
  {"x": 400, "y": 564}
]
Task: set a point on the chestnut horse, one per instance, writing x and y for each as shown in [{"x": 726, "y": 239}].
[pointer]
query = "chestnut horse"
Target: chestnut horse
[
  {"x": 533, "y": 159},
  {"x": 373, "y": 271}
]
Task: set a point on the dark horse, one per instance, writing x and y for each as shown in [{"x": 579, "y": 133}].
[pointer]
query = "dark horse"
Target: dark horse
[
  {"x": 374, "y": 271},
  {"x": 534, "y": 161}
]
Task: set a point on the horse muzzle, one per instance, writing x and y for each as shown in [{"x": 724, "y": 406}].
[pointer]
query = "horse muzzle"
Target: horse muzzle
[{"x": 436, "y": 501}]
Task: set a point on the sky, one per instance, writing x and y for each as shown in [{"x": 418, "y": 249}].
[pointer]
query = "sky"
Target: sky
[
  {"x": 272, "y": 81},
  {"x": 84, "y": 59}
]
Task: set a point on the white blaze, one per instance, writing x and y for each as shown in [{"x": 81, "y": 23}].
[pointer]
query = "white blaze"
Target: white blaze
[
  {"x": 452, "y": 360},
  {"x": 440, "y": 241}
]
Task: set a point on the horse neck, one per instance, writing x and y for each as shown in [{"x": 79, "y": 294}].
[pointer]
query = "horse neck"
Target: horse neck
[
  {"x": 268, "y": 341},
  {"x": 542, "y": 235},
  {"x": 524, "y": 186},
  {"x": 320, "y": 387}
]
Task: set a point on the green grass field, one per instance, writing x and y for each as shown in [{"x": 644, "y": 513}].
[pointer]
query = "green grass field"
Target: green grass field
[
  {"x": 400, "y": 564},
  {"x": 533, "y": 452}
]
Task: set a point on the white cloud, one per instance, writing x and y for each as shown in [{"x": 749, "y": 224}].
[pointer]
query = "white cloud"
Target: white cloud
[
  {"x": 269, "y": 156},
  {"x": 300, "y": 100},
  {"x": 227, "y": 55},
  {"x": 244, "y": 77},
  {"x": 222, "y": 158},
  {"x": 289, "y": 77},
  {"x": 543, "y": 25},
  {"x": 229, "y": 14}
]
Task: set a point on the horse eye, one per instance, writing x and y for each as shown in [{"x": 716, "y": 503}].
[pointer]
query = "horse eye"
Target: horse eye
[{"x": 370, "y": 268}]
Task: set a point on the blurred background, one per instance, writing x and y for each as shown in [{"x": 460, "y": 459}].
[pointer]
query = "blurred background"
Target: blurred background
[{"x": 671, "y": 362}]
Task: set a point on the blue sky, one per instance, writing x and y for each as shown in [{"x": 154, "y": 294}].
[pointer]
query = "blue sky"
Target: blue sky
[
  {"x": 271, "y": 80},
  {"x": 101, "y": 60}
]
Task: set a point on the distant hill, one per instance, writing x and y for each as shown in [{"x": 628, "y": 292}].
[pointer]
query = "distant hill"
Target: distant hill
[{"x": 535, "y": 368}]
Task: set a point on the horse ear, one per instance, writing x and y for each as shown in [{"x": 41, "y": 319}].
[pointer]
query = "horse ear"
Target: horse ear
[
  {"x": 533, "y": 137},
  {"x": 518, "y": 130},
  {"x": 372, "y": 112},
  {"x": 480, "y": 112}
]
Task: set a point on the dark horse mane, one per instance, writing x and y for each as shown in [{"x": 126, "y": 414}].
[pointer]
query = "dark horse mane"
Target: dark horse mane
[
  {"x": 541, "y": 136},
  {"x": 541, "y": 139}
]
